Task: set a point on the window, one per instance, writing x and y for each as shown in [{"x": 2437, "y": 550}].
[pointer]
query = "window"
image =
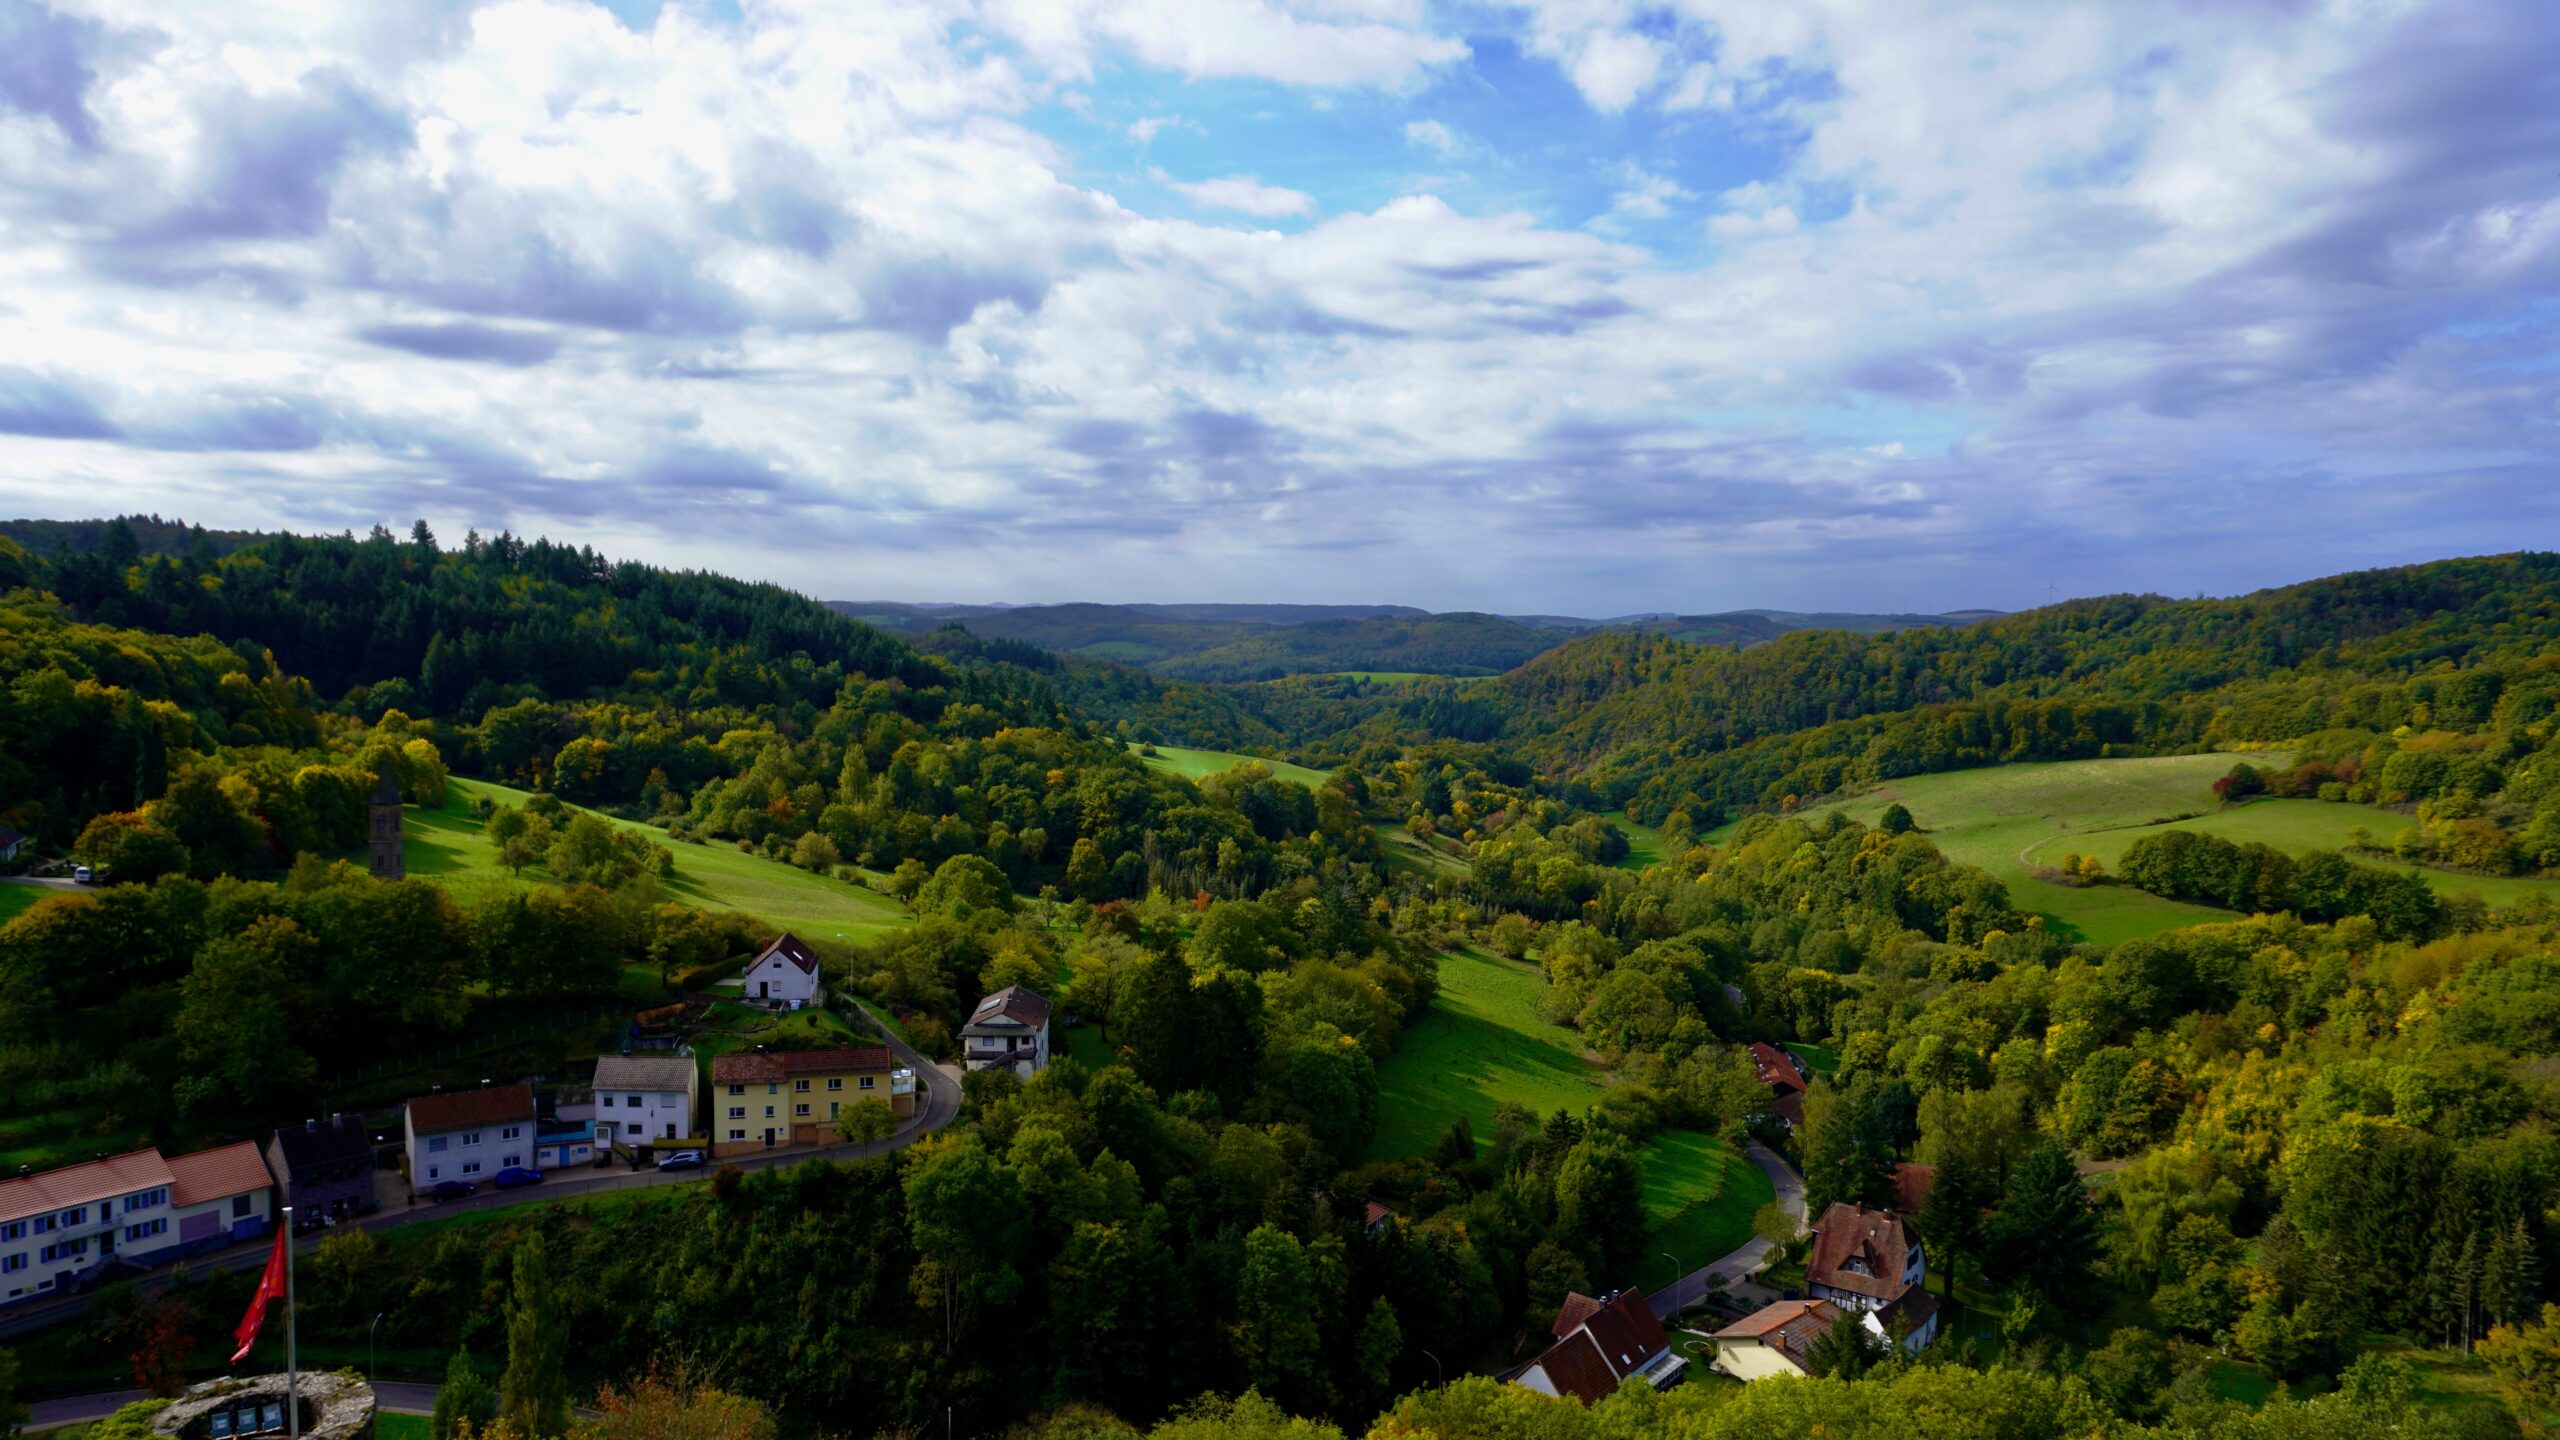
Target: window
[
  {"x": 768, "y": 1112},
  {"x": 832, "y": 1107},
  {"x": 737, "y": 1089},
  {"x": 835, "y": 1082},
  {"x": 14, "y": 1230},
  {"x": 470, "y": 1167},
  {"x": 242, "y": 1206},
  {"x": 800, "y": 1087},
  {"x": 800, "y": 1109},
  {"x": 44, "y": 1224},
  {"x": 471, "y": 1137},
  {"x": 11, "y": 1264},
  {"x": 433, "y": 1172},
  {"x": 737, "y": 1112},
  {"x": 866, "y": 1082},
  {"x": 511, "y": 1132},
  {"x": 510, "y": 1160},
  {"x": 608, "y": 1102},
  {"x": 76, "y": 1215},
  {"x": 145, "y": 1229},
  {"x": 635, "y": 1102},
  {"x": 737, "y": 1134},
  {"x": 64, "y": 1250},
  {"x": 435, "y": 1144},
  {"x": 772, "y": 1090}
]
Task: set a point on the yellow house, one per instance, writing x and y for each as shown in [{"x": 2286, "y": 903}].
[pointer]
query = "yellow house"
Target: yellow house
[
  {"x": 769, "y": 1099},
  {"x": 1774, "y": 1341}
]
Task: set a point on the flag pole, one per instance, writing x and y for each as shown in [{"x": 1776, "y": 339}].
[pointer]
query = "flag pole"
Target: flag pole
[{"x": 292, "y": 1373}]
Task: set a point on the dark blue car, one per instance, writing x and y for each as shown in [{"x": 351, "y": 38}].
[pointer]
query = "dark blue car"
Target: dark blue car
[
  {"x": 444, "y": 1190},
  {"x": 514, "y": 1176}
]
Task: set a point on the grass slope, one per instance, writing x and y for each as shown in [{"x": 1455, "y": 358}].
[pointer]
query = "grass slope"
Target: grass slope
[
  {"x": 1644, "y": 843},
  {"x": 1483, "y": 1044},
  {"x": 445, "y": 845},
  {"x": 1193, "y": 764},
  {"x": 2009, "y": 819}
]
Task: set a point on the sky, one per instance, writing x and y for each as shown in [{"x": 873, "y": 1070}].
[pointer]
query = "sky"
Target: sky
[{"x": 1578, "y": 306}]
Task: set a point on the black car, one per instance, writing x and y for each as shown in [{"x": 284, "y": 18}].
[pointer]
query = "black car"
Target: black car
[
  {"x": 514, "y": 1176},
  {"x": 444, "y": 1190}
]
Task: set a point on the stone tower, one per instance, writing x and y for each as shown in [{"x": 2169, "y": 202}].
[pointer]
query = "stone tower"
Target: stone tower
[{"x": 382, "y": 839}]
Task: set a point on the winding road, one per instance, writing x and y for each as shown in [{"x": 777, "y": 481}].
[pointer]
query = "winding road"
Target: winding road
[{"x": 1750, "y": 1255}]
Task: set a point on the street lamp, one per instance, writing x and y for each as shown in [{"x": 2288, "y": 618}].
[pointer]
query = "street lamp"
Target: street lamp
[
  {"x": 369, "y": 1351},
  {"x": 1677, "y": 1276},
  {"x": 1437, "y": 1378}
]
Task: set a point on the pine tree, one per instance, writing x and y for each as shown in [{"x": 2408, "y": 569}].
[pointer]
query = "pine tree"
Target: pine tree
[
  {"x": 2045, "y": 1235},
  {"x": 534, "y": 1393}
]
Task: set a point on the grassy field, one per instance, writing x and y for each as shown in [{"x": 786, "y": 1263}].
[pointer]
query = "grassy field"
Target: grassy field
[
  {"x": 14, "y": 899},
  {"x": 445, "y": 845},
  {"x": 2010, "y": 819},
  {"x": 1193, "y": 764},
  {"x": 1385, "y": 677},
  {"x": 1644, "y": 843},
  {"x": 736, "y": 1027},
  {"x": 1484, "y": 1044}
]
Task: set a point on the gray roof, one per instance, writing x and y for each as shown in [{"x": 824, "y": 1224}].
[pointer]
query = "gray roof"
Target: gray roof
[
  {"x": 646, "y": 1072},
  {"x": 1013, "y": 1003}
]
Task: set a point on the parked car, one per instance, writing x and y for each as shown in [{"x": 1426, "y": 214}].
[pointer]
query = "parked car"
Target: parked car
[
  {"x": 514, "y": 1176},
  {"x": 444, "y": 1190},
  {"x": 680, "y": 1160},
  {"x": 83, "y": 875}
]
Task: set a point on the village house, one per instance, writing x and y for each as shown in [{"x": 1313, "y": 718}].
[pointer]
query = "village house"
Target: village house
[
  {"x": 784, "y": 975},
  {"x": 469, "y": 1135},
  {"x": 1774, "y": 1340},
  {"x": 766, "y": 1099},
  {"x": 1785, "y": 1076},
  {"x": 1600, "y": 1344},
  {"x": 562, "y": 1144},
  {"x": 643, "y": 1101},
  {"x": 139, "y": 1208},
  {"x": 325, "y": 1169},
  {"x": 1869, "y": 1261},
  {"x": 1009, "y": 1030}
]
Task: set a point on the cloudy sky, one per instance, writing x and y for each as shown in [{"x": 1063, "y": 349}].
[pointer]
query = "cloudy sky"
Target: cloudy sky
[{"x": 1565, "y": 305}]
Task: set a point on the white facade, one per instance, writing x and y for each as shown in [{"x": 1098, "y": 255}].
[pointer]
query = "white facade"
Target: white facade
[
  {"x": 138, "y": 1206},
  {"x": 469, "y": 1136},
  {"x": 778, "y": 979},
  {"x": 645, "y": 1100},
  {"x": 1009, "y": 1030}
]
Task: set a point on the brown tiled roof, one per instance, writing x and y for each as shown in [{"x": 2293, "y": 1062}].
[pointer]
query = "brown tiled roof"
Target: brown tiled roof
[
  {"x": 1789, "y": 1106},
  {"x": 1788, "y": 1327},
  {"x": 1022, "y": 1007},
  {"x": 80, "y": 1184},
  {"x": 1628, "y": 1332},
  {"x": 788, "y": 946},
  {"x": 1576, "y": 1309},
  {"x": 1913, "y": 1307},
  {"x": 1778, "y": 1069},
  {"x": 218, "y": 1174},
  {"x": 1575, "y": 1366},
  {"x": 1877, "y": 1240},
  {"x": 463, "y": 1109},
  {"x": 1911, "y": 1185},
  {"x": 1374, "y": 1214},
  {"x": 773, "y": 1066}
]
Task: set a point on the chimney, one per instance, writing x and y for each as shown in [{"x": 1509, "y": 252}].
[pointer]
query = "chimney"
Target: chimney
[
  {"x": 484, "y": 1082},
  {"x": 310, "y": 1127}
]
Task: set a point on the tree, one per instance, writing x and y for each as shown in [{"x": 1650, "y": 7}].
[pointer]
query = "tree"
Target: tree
[
  {"x": 1600, "y": 1206},
  {"x": 867, "y": 1121},
  {"x": 1848, "y": 1159},
  {"x": 1954, "y": 1216},
  {"x": 466, "y": 1398},
  {"x": 1276, "y": 1330},
  {"x": 1098, "y": 973},
  {"x": 1375, "y": 1348},
  {"x": 130, "y": 849},
  {"x": 658, "y": 1408},
  {"x": 2045, "y": 1235},
  {"x": 1845, "y": 1351},
  {"x": 1896, "y": 820},
  {"x": 815, "y": 852},
  {"x": 13, "y": 1411},
  {"x": 1088, "y": 874},
  {"x": 233, "y": 1021},
  {"x": 533, "y": 1394},
  {"x": 2525, "y": 1360},
  {"x": 965, "y": 885}
]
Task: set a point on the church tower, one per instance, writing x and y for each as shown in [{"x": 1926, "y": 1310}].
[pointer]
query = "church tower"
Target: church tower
[{"x": 383, "y": 840}]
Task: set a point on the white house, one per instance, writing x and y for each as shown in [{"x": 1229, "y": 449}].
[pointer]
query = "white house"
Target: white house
[
  {"x": 1869, "y": 1261},
  {"x": 58, "y": 1225},
  {"x": 469, "y": 1135},
  {"x": 1600, "y": 1343},
  {"x": 641, "y": 1100},
  {"x": 1010, "y": 1030},
  {"x": 785, "y": 975}
]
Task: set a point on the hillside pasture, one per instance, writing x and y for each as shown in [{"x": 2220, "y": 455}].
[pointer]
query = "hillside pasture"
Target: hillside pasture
[
  {"x": 444, "y": 844},
  {"x": 1193, "y": 764},
  {"x": 1644, "y": 843},
  {"x": 1483, "y": 1044}
]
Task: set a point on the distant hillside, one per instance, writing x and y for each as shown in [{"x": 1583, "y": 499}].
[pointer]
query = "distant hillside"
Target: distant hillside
[
  {"x": 53, "y": 539},
  {"x": 1221, "y": 642}
]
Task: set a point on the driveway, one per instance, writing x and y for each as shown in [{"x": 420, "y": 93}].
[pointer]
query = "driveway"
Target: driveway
[
  {"x": 941, "y": 1106},
  {"x": 1746, "y": 1259}
]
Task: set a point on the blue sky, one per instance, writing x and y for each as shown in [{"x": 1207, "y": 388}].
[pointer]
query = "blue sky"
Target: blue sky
[{"x": 1560, "y": 305}]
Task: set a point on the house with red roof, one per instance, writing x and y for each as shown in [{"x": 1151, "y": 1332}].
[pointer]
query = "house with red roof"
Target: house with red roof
[
  {"x": 1775, "y": 1340},
  {"x": 57, "y": 1227},
  {"x": 1869, "y": 1262},
  {"x": 1779, "y": 1069},
  {"x": 769, "y": 1099},
  {"x": 1601, "y": 1344},
  {"x": 784, "y": 975}
]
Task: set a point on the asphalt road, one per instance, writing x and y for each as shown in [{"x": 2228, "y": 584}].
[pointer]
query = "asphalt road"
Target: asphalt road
[{"x": 941, "y": 1106}]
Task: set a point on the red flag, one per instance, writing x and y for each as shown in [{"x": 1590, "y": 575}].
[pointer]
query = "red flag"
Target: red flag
[{"x": 269, "y": 1288}]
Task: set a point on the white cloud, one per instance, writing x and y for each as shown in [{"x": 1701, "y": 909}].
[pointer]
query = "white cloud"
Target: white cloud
[
  {"x": 1431, "y": 135},
  {"x": 1246, "y": 195}
]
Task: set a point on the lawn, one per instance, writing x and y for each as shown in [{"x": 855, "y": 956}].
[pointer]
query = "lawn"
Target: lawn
[
  {"x": 1193, "y": 764},
  {"x": 445, "y": 845},
  {"x": 1381, "y": 677},
  {"x": 390, "y": 1426},
  {"x": 2009, "y": 819},
  {"x": 733, "y": 1027},
  {"x": 15, "y": 899},
  {"x": 1484, "y": 1044}
]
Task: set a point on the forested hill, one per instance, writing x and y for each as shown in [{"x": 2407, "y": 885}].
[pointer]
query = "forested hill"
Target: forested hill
[{"x": 1663, "y": 724}]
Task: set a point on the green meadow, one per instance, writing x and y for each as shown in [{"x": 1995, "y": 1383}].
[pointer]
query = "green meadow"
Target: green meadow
[
  {"x": 1483, "y": 1044},
  {"x": 1644, "y": 843},
  {"x": 2014, "y": 819},
  {"x": 1193, "y": 764},
  {"x": 444, "y": 844}
]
